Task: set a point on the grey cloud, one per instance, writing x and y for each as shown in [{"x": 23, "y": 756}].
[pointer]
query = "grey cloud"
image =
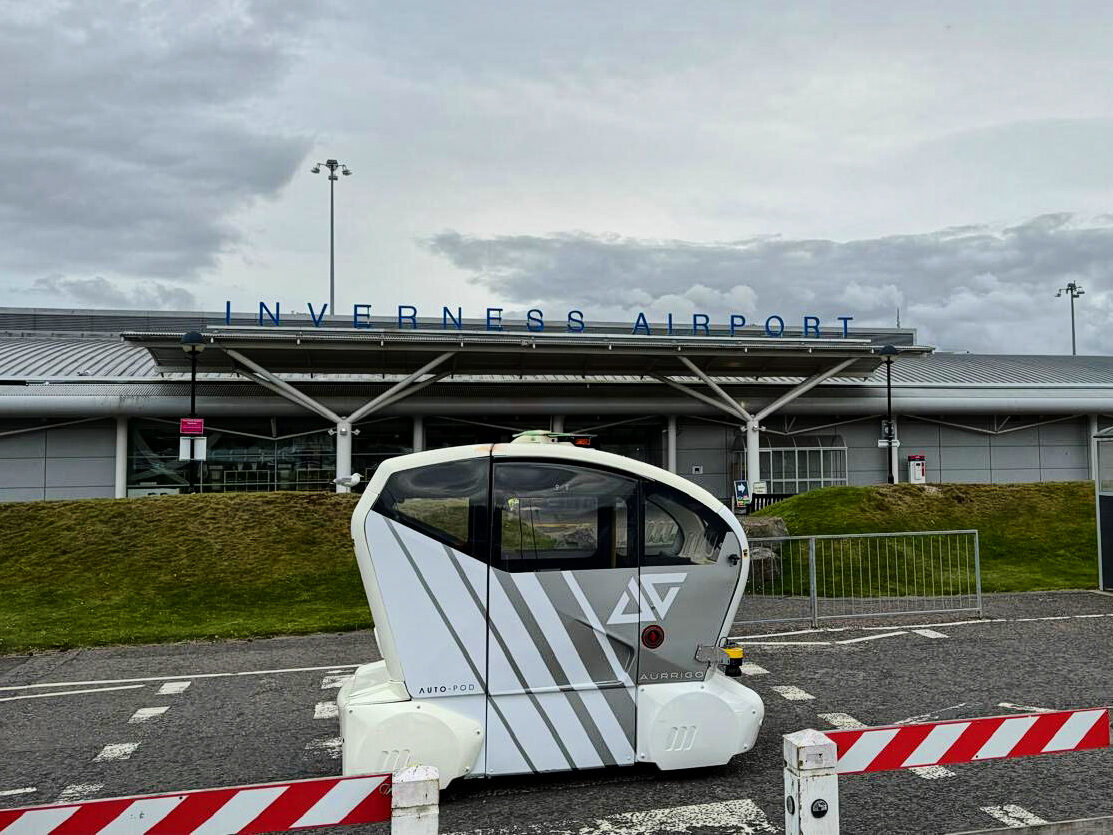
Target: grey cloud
[
  {"x": 965, "y": 288},
  {"x": 100, "y": 292},
  {"x": 132, "y": 133}
]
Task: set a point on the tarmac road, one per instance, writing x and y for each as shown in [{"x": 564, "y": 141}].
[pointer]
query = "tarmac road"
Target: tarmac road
[{"x": 244, "y": 712}]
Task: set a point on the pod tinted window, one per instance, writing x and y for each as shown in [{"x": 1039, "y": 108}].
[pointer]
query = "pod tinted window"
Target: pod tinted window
[
  {"x": 679, "y": 530},
  {"x": 554, "y": 517},
  {"x": 447, "y": 502}
]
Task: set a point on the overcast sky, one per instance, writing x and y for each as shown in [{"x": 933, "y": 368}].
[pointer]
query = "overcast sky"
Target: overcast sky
[{"x": 954, "y": 160}]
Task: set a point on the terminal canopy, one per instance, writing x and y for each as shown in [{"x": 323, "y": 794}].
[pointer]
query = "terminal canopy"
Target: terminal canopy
[{"x": 285, "y": 350}]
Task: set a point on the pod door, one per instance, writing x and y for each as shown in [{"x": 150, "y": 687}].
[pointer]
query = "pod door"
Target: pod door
[
  {"x": 691, "y": 567},
  {"x": 561, "y": 673}
]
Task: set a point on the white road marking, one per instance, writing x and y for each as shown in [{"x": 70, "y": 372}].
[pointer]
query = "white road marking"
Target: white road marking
[
  {"x": 68, "y": 693},
  {"x": 1013, "y": 816},
  {"x": 932, "y": 772},
  {"x": 145, "y": 713},
  {"x": 924, "y": 717},
  {"x": 116, "y": 751},
  {"x": 177, "y": 677},
  {"x": 1034, "y": 620},
  {"x": 871, "y": 637},
  {"x": 740, "y": 816},
  {"x": 748, "y": 668},
  {"x": 331, "y": 746},
  {"x": 1024, "y": 708},
  {"x": 325, "y": 710},
  {"x": 926, "y": 630},
  {"x": 794, "y": 632},
  {"x": 793, "y": 693},
  {"x": 334, "y": 681},
  {"x": 930, "y": 633},
  {"x": 844, "y": 721},
  {"x": 173, "y": 688},
  {"x": 14, "y": 792},
  {"x": 79, "y": 791}
]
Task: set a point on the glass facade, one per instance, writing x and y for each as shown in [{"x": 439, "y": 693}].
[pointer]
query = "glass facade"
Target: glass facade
[
  {"x": 812, "y": 461},
  {"x": 249, "y": 454}
]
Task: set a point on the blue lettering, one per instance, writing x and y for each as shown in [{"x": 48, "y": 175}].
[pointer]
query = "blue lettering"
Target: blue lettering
[
  {"x": 410, "y": 317},
  {"x": 494, "y": 322},
  {"x": 846, "y": 320},
  {"x": 737, "y": 322},
  {"x": 576, "y": 321},
  {"x": 457, "y": 320},
  {"x": 535, "y": 317},
  {"x": 641, "y": 324},
  {"x": 274, "y": 317},
  {"x": 811, "y": 326},
  {"x": 361, "y": 315},
  {"x": 317, "y": 319},
  {"x": 780, "y": 325},
  {"x": 701, "y": 320}
]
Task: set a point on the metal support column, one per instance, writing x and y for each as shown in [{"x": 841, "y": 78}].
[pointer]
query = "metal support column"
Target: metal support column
[
  {"x": 1093, "y": 446},
  {"x": 343, "y": 454},
  {"x": 121, "y": 481},
  {"x": 753, "y": 456},
  {"x": 557, "y": 423},
  {"x": 419, "y": 434},
  {"x": 894, "y": 457},
  {"x": 671, "y": 443}
]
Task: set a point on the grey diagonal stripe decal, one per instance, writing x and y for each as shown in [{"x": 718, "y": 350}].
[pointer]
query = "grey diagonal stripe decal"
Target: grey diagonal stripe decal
[
  {"x": 537, "y": 635},
  {"x": 459, "y": 643},
  {"x": 599, "y": 632},
  {"x": 579, "y": 629},
  {"x": 494, "y": 632}
]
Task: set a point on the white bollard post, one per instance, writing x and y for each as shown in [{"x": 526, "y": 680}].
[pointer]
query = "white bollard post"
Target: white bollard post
[
  {"x": 811, "y": 784},
  {"x": 415, "y": 797}
]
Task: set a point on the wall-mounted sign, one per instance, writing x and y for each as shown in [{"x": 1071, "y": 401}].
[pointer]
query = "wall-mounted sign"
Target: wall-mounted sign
[
  {"x": 193, "y": 448},
  {"x": 572, "y": 321},
  {"x": 741, "y": 494},
  {"x": 191, "y": 426}
]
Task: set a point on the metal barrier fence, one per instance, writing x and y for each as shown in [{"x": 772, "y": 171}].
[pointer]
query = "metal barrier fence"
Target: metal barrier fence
[{"x": 862, "y": 575}]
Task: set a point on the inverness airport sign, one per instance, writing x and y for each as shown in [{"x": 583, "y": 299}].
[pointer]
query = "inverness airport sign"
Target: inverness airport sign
[{"x": 573, "y": 321}]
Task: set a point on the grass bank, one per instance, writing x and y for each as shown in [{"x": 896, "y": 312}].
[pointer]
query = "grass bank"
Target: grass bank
[
  {"x": 1032, "y": 536},
  {"x": 104, "y": 571}
]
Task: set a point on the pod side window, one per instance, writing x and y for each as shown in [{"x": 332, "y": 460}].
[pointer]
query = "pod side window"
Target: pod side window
[
  {"x": 560, "y": 517},
  {"x": 446, "y": 502},
  {"x": 678, "y": 529}
]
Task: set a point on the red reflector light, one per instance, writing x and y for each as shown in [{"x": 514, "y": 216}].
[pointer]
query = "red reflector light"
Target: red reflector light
[
  {"x": 582, "y": 441},
  {"x": 653, "y": 636}
]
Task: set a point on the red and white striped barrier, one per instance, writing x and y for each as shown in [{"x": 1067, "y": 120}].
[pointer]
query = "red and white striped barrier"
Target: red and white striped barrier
[
  {"x": 270, "y": 807},
  {"x": 814, "y": 760},
  {"x": 970, "y": 740}
]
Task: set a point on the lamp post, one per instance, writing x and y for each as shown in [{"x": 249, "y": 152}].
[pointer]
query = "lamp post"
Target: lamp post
[
  {"x": 332, "y": 165},
  {"x": 889, "y": 352},
  {"x": 193, "y": 343},
  {"x": 1074, "y": 291}
]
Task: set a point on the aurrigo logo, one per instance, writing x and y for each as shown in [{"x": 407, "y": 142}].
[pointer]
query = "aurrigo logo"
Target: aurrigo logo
[{"x": 648, "y": 604}]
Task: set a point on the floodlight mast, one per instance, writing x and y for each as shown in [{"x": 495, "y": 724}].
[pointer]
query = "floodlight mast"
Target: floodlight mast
[
  {"x": 1073, "y": 290},
  {"x": 332, "y": 166}
]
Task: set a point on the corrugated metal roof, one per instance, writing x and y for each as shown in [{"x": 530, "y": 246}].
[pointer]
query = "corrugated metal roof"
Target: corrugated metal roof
[{"x": 89, "y": 359}]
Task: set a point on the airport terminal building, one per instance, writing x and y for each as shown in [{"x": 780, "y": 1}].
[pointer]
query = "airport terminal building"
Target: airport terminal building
[{"x": 90, "y": 400}]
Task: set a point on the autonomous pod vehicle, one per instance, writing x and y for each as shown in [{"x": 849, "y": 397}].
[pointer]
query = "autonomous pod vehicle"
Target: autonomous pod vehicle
[{"x": 540, "y": 606}]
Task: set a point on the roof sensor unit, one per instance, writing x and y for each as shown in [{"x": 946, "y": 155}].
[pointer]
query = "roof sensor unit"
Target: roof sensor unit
[{"x": 544, "y": 436}]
